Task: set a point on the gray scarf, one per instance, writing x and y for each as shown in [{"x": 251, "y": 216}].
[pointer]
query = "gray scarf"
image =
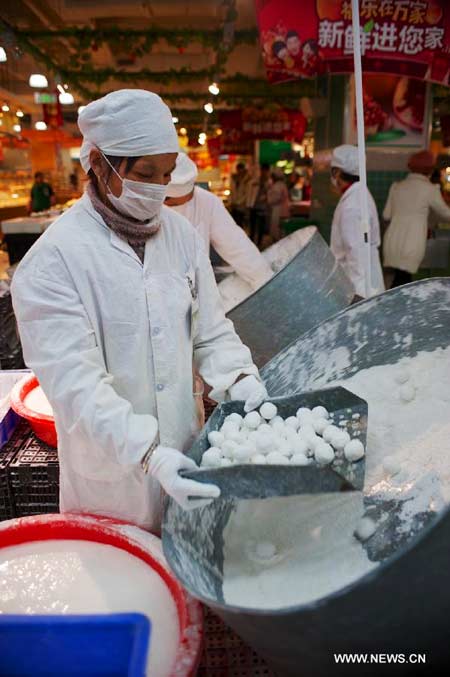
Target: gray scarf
[{"x": 136, "y": 233}]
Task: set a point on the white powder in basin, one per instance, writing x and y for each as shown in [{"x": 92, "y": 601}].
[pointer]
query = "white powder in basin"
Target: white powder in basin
[
  {"x": 407, "y": 460},
  {"x": 37, "y": 401},
  {"x": 79, "y": 577}
]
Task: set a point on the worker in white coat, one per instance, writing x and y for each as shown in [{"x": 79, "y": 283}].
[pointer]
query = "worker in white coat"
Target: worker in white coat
[
  {"x": 207, "y": 213},
  {"x": 116, "y": 303},
  {"x": 347, "y": 237},
  {"x": 409, "y": 204}
]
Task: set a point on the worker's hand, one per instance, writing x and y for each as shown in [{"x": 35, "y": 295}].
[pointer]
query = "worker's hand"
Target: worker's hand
[
  {"x": 251, "y": 390},
  {"x": 164, "y": 466}
]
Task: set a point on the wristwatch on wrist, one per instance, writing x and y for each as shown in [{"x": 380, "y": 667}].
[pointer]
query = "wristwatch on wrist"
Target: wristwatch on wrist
[{"x": 145, "y": 461}]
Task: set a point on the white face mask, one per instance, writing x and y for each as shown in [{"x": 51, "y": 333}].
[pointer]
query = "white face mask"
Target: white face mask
[{"x": 141, "y": 201}]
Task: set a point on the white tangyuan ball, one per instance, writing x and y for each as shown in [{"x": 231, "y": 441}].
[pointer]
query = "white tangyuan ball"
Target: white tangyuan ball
[
  {"x": 245, "y": 433},
  {"x": 276, "y": 420},
  {"x": 284, "y": 447},
  {"x": 319, "y": 425},
  {"x": 320, "y": 412},
  {"x": 365, "y": 529},
  {"x": 354, "y": 450},
  {"x": 252, "y": 420},
  {"x": 228, "y": 448},
  {"x": 299, "y": 445},
  {"x": 407, "y": 392},
  {"x": 340, "y": 439},
  {"x": 300, "y": 459},
  {"x": 258, "y": 459},
  {"x": 211, "y": 458},
  {"x": 253, "y": 436},
  {"x": 235, "y": 436},
  {"x": 234, "y": 418},
  {"x": 275, "y": 458},
  {"x": 324, "y": 453},
  {"x": 402, "y": 375},
  {"x": 265, "y": 428},
  {"x": 304, "y": 415},
  {"x": 329, "y": 432},
  {"x": 290, "y": 434},
  {"x": 229, "y": 428},
  {"x": 243, "y": 454},
  {"x": 292, "y": 422},
  {"x": 265, "y": 444},
  {"x": 268, "y": 410},
  {"x": 225, "y": 462},
  {"x": 216, "y": 438}
]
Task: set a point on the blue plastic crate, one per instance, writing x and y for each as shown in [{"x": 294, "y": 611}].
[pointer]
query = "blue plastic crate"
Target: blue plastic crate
[{"x": 114, "y": 645}]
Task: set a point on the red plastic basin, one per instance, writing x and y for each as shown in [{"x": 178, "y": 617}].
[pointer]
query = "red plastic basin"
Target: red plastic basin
[{"x": 42, "y": 425}]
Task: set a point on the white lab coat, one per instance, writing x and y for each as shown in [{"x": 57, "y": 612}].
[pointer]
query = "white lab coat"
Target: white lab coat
[
  {"x": 207, "y": 213},
  {"x": 111, "y": 341},
  {"x": 347, "y": 241},
  {"x": 407, "y": 208}
]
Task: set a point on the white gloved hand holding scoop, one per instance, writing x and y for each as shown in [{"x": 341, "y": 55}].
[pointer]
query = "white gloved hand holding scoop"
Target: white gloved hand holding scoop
[
  {"x": 164, "y": 466},
  {"x": 251, "y": 390}
]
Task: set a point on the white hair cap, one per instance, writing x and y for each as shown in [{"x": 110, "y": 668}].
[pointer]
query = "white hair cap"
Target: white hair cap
[
  {"x": 345, "y": 157},
  {"x": 183, "y": 177},
  {"x": 127, "y": 123}
]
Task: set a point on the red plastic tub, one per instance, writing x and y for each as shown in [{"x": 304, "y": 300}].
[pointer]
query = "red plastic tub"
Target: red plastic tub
[
  {"x": 42, "y": 425},
  {"x": 135, "y": 541}
]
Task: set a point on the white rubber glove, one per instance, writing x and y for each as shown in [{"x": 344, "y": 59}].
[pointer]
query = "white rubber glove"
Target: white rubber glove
[
  {"x": 164, "y": 466},
  {"x": 251, "y": 390}
]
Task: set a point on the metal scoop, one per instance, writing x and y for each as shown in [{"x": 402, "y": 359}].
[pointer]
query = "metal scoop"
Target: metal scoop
[{"x": 265, "y": 481}]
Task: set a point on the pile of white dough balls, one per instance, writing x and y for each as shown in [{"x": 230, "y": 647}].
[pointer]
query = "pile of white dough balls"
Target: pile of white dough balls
[{"x": 264, "y": 438}]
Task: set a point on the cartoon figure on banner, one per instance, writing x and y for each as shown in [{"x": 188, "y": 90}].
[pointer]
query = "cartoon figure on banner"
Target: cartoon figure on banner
[{"x": 283, "y": 47}]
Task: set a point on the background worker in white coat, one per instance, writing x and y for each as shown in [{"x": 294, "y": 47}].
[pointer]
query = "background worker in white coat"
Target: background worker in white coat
[
  {"x": 115, "y": 304},
  {"x": 347, "y": 238},
  {"x": 408, "y": 207},
  {"x": 207, "y": 213}
]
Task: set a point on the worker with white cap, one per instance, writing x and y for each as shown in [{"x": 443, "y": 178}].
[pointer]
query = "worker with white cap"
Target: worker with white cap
[
  {"x": 347, "y": 236},
  {"x": 214, "y": 224},
  {"x": 115, "y": 303}
]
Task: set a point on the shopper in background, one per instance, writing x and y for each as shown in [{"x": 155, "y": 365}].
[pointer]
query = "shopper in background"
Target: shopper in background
[
  {"x": 347, "y": 238},
  {"x": 207, "y": 213},
  {"x": 278, "y": 201},
  {"x": 115, "y": 304},
  {"x": 42, "y": 194},
  {"x": 295, "y": 187},
  {"x": 258, "y": 205},
  {"x": 240, "y": 181},
  {"x": 407, "y": 209}
]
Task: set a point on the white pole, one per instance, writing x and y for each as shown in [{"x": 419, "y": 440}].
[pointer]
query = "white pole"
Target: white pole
[{"x": 361, "y": 142}]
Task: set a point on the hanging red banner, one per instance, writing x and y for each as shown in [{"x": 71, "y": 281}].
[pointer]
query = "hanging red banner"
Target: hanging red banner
[
  {"x": 242, "y": 127},
  {"x": 402, "y": 37}
]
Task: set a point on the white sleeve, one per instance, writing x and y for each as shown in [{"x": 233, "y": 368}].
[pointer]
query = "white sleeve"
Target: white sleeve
[
  {"x": 233, "y": 245},
  {"x": 60, "y": 346},
  {"x": 438, "y": 205},
  {"x": 354, "y": 247},
  {"x": 219, "y": 354}
]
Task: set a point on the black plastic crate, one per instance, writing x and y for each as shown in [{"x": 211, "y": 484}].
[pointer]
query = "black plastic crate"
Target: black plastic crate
[
  {"x": 7, "y": 454},
  {"x": 34, "y": 478}
]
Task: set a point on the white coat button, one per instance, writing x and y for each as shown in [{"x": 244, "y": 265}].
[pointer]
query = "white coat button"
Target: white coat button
[{"x": 160, "y": 387}]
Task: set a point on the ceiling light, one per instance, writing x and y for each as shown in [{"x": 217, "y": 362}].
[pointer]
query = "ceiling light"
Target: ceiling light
[
  {"x": 38, "y": 80},
  {"x": 5, "y": 108},
  {"x": 219, "y": 131},
  {"x": 60, "y": 89},
  {"x": 66, "y": 98},
  {"x": 202, "y": 139},
  {"x": 183, "y": 131},
  {"x": 17, "y": 128},
  {"x": 214, "y": 89},
  {"x": 3, "y": 56},
  {"x": 19, "y": 114},
  {"x": 208, "y": 107},
  {"x": 40, "y": 126},
  {"x": 174, "y": 119},
  {"x": 81, "y": 108}
]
